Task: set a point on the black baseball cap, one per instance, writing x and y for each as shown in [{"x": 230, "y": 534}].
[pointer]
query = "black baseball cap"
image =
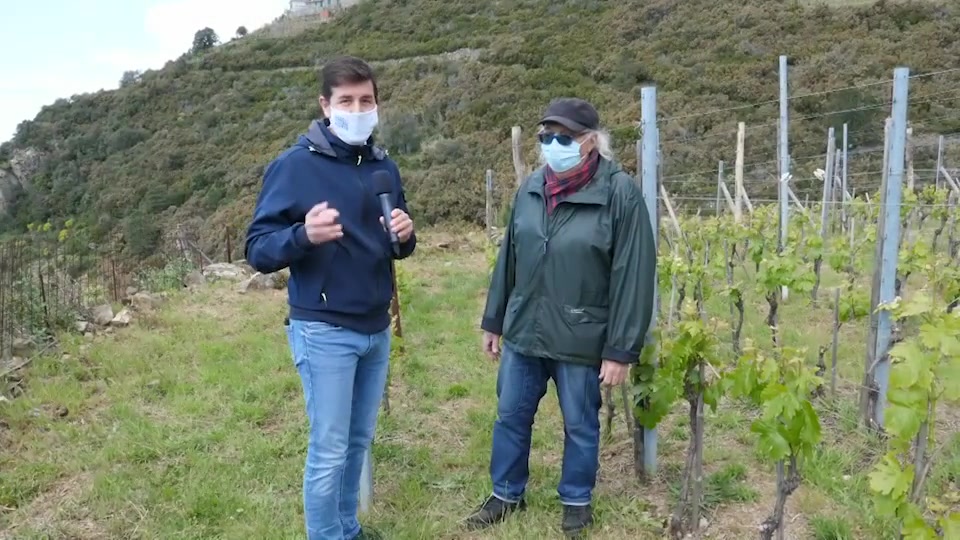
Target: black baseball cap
[{"x": 574, "y": 114}]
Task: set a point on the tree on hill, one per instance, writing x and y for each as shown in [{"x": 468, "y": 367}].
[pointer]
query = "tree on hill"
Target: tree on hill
[
  {"x": 130, "y": 78},
  {"x": 204, "y": 40},
  {"x": 242, "y": 31}
]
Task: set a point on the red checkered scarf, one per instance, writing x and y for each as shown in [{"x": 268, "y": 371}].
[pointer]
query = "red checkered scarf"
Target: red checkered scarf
[{"x": 557, "y": 187}]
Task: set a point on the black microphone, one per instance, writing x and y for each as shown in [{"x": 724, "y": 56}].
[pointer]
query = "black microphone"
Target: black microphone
[{"x": 383, "y": 187}]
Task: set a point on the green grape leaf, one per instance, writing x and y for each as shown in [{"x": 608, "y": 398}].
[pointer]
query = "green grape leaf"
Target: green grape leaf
[
  {"x": 948, "y": 373},
  {"x": 772, "y": 442},
  {"x": 904, "y": 422},
  {"x": 890, "y": 480},
  {"x": 950, "y": 525}
]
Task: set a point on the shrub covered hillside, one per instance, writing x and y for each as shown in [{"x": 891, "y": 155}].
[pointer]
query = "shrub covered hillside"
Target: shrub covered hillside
[{"x": 187, "y": 144}]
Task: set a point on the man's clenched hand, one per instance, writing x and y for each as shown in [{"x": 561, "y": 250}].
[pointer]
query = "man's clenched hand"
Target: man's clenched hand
[{"x": 321, "y": 224}]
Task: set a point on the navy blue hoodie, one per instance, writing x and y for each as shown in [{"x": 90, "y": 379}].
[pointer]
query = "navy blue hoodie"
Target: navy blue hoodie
[{"x": 346, "y": 282}]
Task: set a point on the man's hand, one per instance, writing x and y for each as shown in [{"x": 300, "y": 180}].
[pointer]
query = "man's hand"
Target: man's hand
[
  {"x": 401, "y": 224},
  {"x": 491, "y": 345},
  {"x": 613, "y": 373},
  {"x": 321, "y": 224}
]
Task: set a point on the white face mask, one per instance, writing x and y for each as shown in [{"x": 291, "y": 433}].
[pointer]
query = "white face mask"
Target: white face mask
[{"x": 353, "y": 128}]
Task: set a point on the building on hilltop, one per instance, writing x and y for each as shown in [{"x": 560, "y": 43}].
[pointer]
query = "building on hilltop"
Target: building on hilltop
[{"x": 307, "y": 8}]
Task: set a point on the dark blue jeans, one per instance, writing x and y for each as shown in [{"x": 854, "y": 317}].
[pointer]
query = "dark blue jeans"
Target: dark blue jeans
[{"x": 521, "y": 384}]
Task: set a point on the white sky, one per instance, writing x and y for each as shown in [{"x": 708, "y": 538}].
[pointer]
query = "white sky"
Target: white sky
[{"x": 68, "y": 47}]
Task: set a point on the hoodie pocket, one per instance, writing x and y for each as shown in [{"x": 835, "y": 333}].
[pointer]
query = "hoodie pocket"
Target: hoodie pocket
[{"x": 310, "y": 277}]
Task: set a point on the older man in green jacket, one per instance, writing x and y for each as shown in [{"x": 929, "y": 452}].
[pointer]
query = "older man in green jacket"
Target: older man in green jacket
[{"x": 572, "y": 297}]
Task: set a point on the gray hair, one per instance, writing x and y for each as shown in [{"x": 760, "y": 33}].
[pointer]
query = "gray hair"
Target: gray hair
[{"x": 602, "y": 142}]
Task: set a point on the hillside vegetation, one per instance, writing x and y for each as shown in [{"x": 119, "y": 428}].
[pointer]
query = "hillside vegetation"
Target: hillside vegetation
[{"x": 186, "y": 145}]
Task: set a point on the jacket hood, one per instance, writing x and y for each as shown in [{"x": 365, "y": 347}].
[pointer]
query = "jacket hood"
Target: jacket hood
[{"x": 320, "y": 139}]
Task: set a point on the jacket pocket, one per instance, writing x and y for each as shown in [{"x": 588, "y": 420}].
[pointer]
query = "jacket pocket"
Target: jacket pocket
[
  {"x": 583, "y": 331},
  {"x": 586, "y": 315},
  {"x": 309, "y": 277},
  {"x": 510, "y": 317}
]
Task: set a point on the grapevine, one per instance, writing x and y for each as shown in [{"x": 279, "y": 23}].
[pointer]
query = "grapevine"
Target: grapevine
[
  {"x": 788, "y": 428},
  {"x": 780, "y": 379},
  {"x": 925, "y": 371}
]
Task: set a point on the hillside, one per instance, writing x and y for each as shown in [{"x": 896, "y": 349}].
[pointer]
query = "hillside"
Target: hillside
[{"x": 186, "y": 145}]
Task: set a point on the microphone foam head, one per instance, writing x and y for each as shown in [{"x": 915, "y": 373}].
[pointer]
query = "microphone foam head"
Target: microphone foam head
[{"x": 382, "y": 182}]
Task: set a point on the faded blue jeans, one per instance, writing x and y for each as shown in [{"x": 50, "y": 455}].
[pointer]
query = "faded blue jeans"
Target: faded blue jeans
[
  {"x": 343, "y": 374},
  {"x": 521, "y": 384}
]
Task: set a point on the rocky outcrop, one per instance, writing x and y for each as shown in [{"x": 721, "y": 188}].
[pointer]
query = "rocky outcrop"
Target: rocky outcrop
[
  {"x": 25, "y": 163},
  {"x": 10, "y": 187},
  {"x": 16, "y": 175}
]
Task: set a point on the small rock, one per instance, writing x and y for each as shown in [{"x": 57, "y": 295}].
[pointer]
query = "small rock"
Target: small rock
[
  {"x": 144, "y": 301},
  {"x": 225, "y": 271},
  {"x": 65, "y": 358},
  {"x": 443, "y": 245},
  {"x": 122, "y": 319},
  {"x": 22, "y": 347},
  {"x": 260, "y": 282},
  {"x": 102, "y": 314},
  {"x": 245, "y": 266},
  {"x": 132, "y": 291},
  {"x": 704, "y": 523},
  {"x": 88, "y": 335},
  {"x": 194, "y": 279},
  {"x": 62, "y": 411},
  {"x": 83, "y": 326}
]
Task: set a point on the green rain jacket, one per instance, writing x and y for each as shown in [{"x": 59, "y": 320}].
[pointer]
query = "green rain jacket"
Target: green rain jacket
[{"x": 576, "y": 285}]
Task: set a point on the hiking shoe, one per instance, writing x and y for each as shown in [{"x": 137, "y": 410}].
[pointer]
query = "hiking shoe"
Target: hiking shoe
[
  {"x": 576, "y": 519},
  {"x": 492, "y": 512},
  {"x": 369, "y": 534}
]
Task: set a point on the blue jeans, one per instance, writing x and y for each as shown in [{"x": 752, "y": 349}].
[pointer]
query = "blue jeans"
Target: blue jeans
[
  {"x": 521, "y": 384},
  {"x": 344, "y": 374}
]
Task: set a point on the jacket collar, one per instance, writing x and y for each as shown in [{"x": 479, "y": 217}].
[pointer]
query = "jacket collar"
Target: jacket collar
[
  {"x": 321, "y": 140},
  {"x": 597, "y": 191}
]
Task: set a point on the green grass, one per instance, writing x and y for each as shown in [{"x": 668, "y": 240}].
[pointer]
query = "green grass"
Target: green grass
[{"x": 190, "y": 425}]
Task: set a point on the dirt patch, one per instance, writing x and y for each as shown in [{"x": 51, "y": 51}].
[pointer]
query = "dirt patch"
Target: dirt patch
[{"x": 56, "y": 513}]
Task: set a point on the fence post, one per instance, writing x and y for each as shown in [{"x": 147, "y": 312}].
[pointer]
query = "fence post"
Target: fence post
[
  {"x": 516, "y": 144},
  {"x": 649, "y": 180},
  {"x": 488, "y": 187},
  {"x": 738, "y": 172},
  {"x": 890, "y": 235},
  {"x": 228, "y": 232},
  {"x": 784, "y": 199},
  {"x": 939, "y": 159},
  {"x": 784, "y": 159},
  {"x": 843, "y": 179}
]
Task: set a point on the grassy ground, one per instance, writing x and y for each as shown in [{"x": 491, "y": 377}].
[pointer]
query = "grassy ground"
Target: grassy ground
[{"x": 190, "y": 425}]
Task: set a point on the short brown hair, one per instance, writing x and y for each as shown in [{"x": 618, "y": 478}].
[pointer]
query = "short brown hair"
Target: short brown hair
[{"x": 346, "y": 70}]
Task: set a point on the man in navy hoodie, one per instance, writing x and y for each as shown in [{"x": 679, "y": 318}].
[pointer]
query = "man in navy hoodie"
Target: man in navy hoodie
[{"x": 318, "y": 214}]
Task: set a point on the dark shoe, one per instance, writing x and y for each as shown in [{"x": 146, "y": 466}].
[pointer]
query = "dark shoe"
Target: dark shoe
[
  {"x": 369, "y": 534},
  {"x": 576, "y": 519},
  {"x": 492, "y": 512}
]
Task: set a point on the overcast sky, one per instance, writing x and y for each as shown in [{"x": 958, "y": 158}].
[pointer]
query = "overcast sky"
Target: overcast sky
[{"x": 60, "y": 48}]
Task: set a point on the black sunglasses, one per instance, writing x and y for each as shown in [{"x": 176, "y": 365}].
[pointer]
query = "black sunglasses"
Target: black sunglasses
[{"x": 548, "y": 137}]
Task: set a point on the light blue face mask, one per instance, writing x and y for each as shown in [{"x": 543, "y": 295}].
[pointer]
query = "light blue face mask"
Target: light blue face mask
[{"x": 561, "y": 158}]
